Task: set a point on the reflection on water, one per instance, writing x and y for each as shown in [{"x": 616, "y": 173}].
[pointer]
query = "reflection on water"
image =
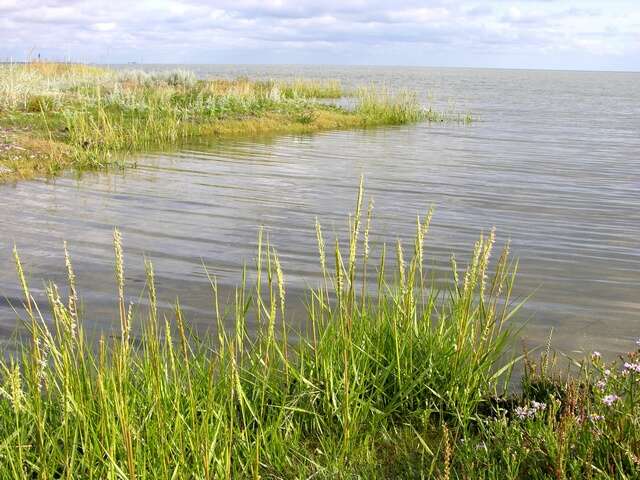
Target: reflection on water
[{"x": 552, "y": 162}]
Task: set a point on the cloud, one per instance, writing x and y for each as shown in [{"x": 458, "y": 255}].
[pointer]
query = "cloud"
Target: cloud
[
  {"x": 104, "y": 26},
  {"x": 574, "y": 34}
]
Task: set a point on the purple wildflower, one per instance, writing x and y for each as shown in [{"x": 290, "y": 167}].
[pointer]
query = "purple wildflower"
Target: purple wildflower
[
  {"x": 634, "y": 367},
  {"x": 610, "y": 399}
]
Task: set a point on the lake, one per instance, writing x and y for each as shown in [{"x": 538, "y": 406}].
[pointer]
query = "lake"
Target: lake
[{"x": 552, "y": 160}]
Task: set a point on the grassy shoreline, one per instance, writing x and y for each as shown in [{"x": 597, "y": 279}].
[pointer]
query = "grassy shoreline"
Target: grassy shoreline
[
  {"x": 59, "y": 116},
  {"x": 407, "y": 382}
]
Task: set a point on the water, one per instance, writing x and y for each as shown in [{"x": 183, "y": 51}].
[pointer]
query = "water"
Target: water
[{"x": 552, "y": 161}]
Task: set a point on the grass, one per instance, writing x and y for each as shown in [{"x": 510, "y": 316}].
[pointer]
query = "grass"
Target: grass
[
  {"x": 389, "y": 378},
  {"x": 398, "y": 108},
  {"x": 58, "y": 116},
  {"x": 311, "y": 88}
]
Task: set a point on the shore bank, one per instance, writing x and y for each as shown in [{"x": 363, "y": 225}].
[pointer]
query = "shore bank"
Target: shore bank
[{"x": 59, "y": 116}]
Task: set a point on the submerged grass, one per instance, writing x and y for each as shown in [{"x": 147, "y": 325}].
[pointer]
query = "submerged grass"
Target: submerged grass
[
  {"x": 54, "y": 116},
  {"x": 392, "y": 378}
]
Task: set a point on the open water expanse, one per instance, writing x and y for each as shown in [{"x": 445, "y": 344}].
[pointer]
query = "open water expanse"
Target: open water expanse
[{"x": 552, "y": 160}]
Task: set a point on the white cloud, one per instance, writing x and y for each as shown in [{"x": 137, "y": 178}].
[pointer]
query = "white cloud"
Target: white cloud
[
  {"x": 578, "y": 33},
  {"x": 419, "y": 15},
  {"x": 104, "y": 26}
]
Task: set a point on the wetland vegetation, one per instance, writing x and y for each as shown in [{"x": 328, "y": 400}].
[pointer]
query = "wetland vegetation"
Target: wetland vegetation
[
  {"x": 55, "y": 116},
  {"x": 389, "y": 377}
]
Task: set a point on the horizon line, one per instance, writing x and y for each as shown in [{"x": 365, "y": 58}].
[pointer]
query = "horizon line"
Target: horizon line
[{"x": 373, "y": 65}]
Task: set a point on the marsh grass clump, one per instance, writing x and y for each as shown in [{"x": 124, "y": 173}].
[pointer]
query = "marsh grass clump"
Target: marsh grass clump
[
  {"x": 382, "y": 106},
  {"x": 390, "y": 377},
  {"x": 377, "y": 361},
  {"x": 301, "y": 88},
  {"x": 391, "y": 108}
]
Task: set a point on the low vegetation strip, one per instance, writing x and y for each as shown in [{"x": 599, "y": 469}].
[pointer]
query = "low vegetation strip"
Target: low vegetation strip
[
  {"x": 56, "y": 116},
  {"x": 392, "y": 378}
]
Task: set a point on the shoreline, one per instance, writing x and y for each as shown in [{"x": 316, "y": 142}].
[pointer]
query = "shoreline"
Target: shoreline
[
  {"x": 409, "y": 383},
  {"x": 59, "y": 116}
]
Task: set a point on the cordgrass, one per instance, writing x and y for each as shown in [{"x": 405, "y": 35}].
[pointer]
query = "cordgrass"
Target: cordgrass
[
  {"x": 311, "y": 88},
  {"x": 390, "y": 378},
  {"x": 57, "y": 116}
]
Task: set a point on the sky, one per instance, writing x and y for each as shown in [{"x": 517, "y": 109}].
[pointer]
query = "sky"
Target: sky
[{"x": 552, "y": 34}]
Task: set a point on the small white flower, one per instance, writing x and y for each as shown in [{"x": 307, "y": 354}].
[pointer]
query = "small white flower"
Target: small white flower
[
  {"x": 610, "y": 399},
  {"x": 529, "y": 412},
  {"x": 538, "y": 406},
  {"x": 607, "y": 372},
  {"x": 523, "y": 412},
  {"x": 601, "y": 384},
  {"x": 596, "y": 355}
]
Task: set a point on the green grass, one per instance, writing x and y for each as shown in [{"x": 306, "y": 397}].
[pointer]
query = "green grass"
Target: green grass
[
  {"x": 57, "y": 116},
  {"x": 389, "y": 378},
  {"x": 303, "y": 88}
]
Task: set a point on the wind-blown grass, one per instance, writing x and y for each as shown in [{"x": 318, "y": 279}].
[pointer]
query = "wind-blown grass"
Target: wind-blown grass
[
  {"x": 312, "y": 89},
  {"x": 158, "y": 402},
  {"x": 54, "y": 116},
  {"x": 392, "y": 378},
  {"x": 399, "y": 108}
]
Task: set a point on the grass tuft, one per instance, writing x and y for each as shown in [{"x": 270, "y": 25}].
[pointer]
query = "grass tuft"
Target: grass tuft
[
  {"x": 301, "y": 88},
  {"x": 389, "y": 108},
  {"x": 390, "y": 378},
  {"x": 237, "y": 405}
]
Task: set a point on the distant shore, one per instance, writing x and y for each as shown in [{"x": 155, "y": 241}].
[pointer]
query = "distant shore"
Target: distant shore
[{"x": 56, "y": 116}]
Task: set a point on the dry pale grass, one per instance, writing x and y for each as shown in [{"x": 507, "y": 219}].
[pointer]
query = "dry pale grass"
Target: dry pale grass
[
  {"x": 57, "y": 69},
  {"x": 23, "y": 156}
]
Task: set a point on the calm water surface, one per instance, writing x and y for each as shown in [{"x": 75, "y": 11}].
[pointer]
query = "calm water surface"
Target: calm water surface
[{"x": 552, "y": 161}]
